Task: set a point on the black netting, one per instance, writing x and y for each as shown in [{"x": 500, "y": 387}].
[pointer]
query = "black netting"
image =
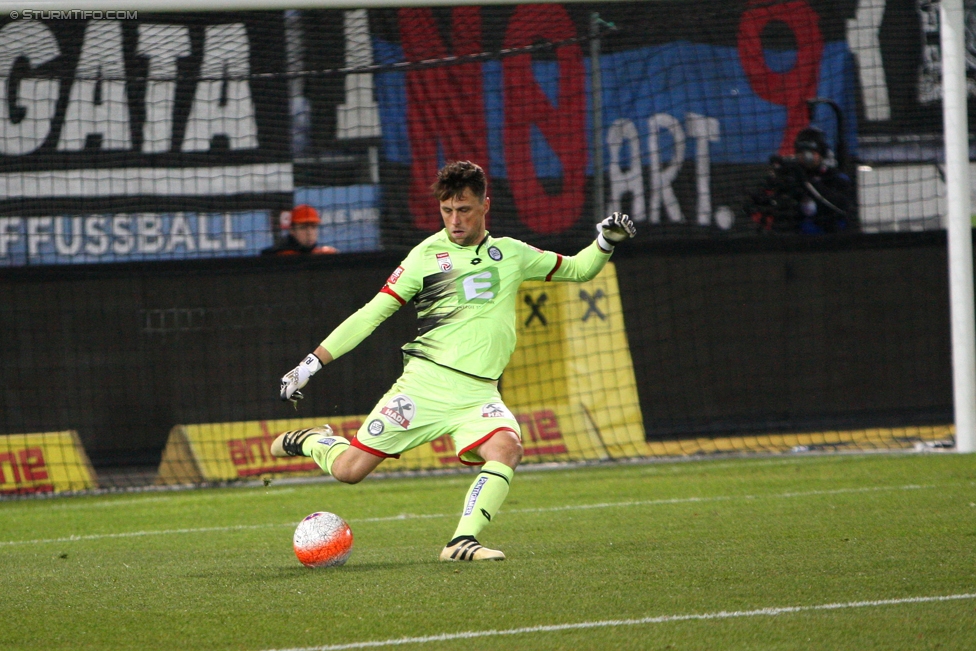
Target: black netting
[{"x": 153, "y": 166}]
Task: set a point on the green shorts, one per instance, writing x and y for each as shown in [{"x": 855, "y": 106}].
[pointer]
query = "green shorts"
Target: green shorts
[{"x": 429, "y": 401}]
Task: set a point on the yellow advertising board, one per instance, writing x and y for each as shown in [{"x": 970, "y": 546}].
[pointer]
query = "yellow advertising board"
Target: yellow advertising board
[
  {"x": 573, "y": 358},
  {"x": 45, "y": 462},
  {"x": 216, "y": 452},
  {"x": 230, "y": 451}
]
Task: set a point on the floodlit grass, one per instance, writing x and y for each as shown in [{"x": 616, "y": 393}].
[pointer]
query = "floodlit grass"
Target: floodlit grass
[{"x": 214, "y": 569}]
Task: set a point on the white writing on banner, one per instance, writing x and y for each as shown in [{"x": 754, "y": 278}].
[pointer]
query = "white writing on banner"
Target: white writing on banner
[
  {"x": 34, "y": 100},
  {"x": 359, "y": 116},
  {"x": 223, "y": 106},
  {"x": 626, "y": 177},
  {"x": 123, "y": 237},
  {"x": 863, "y": 39},
  {"x": 930, "y": 69},
  {"x": 161, "y": 45},
  {"x": 98, "y": 102}
]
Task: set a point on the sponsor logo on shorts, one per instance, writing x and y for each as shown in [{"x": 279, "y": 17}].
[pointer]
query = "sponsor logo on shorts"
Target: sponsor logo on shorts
[
  {"x": 475, "y": 491},
  {"x": 399, "y": 410},
  {"x": 496, "y": 410},
  {"x": 375, "y": 427},
  {"x": 494, "y": 253},
  {"x": 444, "y": 261},
  {"x": 395, "y": 276}
]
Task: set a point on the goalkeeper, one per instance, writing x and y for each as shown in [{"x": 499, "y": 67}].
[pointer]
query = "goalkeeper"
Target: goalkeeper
[{"x": 463, "y": 282}]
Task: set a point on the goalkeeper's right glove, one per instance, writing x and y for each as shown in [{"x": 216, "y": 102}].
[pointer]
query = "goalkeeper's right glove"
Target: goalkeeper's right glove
[
  {"x": 615, "y": 229},
  {"x": 298, "y": 377}
]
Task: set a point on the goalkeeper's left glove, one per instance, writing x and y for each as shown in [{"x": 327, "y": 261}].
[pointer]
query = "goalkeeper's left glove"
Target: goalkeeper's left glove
[
  {"x": 298, "y": 377},
  {"x": 615, "y": 229}
]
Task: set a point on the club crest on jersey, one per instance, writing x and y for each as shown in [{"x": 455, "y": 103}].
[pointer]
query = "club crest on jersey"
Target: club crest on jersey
[
  {"x": 395, "y": 276},
  {"x": 375, "y": 427},
  {"x": 494, "y": 253},
  {"x": 444, "y": 261},
  {"x": 496, "y": 410},
  {"x": 399, "y": 410}
]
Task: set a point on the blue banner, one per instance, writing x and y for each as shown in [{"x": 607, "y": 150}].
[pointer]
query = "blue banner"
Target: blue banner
[
  {"x": 129, "y": 237},
  {"x": 676, "y": 79}
]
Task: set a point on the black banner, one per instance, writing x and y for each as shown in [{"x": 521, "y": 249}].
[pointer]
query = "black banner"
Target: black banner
[{"x": 162, "y": 112}]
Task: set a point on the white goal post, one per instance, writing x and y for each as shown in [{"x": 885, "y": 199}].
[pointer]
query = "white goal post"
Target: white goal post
[{"x": 958, "y": 222}]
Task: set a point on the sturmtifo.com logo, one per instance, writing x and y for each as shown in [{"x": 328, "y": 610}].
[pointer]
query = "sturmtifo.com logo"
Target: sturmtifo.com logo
[{"x": 73, "y": 14}]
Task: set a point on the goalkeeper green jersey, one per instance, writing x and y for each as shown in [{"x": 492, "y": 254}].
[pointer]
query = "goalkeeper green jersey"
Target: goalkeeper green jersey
[{"x": 465, "y": 298}]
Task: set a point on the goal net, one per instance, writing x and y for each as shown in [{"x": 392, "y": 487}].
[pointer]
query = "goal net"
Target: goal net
[{"x": 153, "y": 287}]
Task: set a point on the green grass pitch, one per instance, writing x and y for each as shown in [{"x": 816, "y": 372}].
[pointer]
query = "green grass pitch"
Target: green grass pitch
[{"x": 860, "y": 552}]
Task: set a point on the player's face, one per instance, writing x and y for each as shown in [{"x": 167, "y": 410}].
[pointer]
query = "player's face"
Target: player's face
[
  {"x": 305, "y": 233},
  {"x": 464, "y": 218}
]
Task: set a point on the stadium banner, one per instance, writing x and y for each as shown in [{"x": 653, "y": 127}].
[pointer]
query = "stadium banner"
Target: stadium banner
[
  {"x": 47, "y": 462},
  {"x": 219, "y": 452},
  {"x": 691, "y": 93},
  {"x": 119, "y": 122},
  {"x": 573, "y": 351},
  {"x": 241, "y": 450},
  {"x": 211, "y": 114},
  {"x": 128, "y": 237}
]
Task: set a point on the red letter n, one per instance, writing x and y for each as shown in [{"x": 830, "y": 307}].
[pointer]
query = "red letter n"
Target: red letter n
[
  {"x": 564, "y": 125},
  {"x": 445, "y": 103}
]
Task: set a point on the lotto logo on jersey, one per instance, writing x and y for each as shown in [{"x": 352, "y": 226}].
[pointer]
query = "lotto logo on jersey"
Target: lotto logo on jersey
[
  {"x": 399, "y": 410},
  {"x": 395, "y": 276},
  {"x": 444, "y": 261},
  {"x": 479, "y": 287}
]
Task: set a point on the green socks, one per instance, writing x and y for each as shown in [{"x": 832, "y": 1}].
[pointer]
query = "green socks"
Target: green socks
[
  {"x": 482, "y": 501},
  {"x": 484, "y": 498},
  {"x": 324, "y": 450}
]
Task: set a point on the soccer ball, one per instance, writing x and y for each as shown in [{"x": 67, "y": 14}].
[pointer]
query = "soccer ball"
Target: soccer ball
[{"x": 323, "y": 539}]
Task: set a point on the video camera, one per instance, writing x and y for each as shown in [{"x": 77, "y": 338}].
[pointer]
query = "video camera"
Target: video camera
[{"x": 775, "y": 205}]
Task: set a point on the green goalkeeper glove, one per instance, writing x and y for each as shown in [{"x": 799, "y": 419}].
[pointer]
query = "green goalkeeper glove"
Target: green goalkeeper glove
[
  {"x": 615, "y": 229},
  {"x": 298, "y": 377}
]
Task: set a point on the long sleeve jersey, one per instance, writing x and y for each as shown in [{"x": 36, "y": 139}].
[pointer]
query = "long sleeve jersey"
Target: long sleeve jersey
[{"x": 465, "y": 298}]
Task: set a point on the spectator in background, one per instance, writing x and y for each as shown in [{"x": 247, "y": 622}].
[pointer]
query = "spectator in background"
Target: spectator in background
[
  {"x": 805, "y": 193},
  {"x": 303, "y": 233}
]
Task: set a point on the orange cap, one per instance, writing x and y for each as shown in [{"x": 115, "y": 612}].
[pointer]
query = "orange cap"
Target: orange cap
[{"x": 304, "y": 214}]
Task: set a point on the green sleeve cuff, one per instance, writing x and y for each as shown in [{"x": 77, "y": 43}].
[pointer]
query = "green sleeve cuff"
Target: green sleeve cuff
[{"x": 583, "y": 266}]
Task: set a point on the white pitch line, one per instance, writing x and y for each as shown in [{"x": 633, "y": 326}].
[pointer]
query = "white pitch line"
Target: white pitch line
[
  {"x": 661, "y": 619},
  {"x": 717, "y": 498},
  {"x": 138, "y": 534},
  {"x": 411, "y": 516}
]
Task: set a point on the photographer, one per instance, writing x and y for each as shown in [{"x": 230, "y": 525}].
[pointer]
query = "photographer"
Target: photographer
[{"x": 805, "y": 193}]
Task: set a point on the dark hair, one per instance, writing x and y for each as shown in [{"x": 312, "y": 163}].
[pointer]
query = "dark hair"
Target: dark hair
[
  {"x": 455, "y": 177},
  {"x": 811, "y": 139}
]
